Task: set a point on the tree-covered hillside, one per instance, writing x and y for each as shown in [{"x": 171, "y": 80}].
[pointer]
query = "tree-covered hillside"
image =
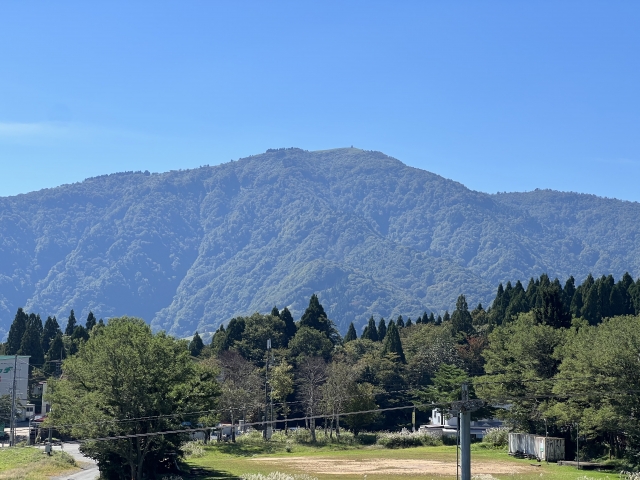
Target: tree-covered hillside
[{"x": 187, "y": 250}]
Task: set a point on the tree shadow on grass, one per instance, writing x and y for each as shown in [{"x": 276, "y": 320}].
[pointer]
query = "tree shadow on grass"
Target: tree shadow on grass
[
  {"x": 248, "y": 449},
  {"x": 204, "y": 473}
]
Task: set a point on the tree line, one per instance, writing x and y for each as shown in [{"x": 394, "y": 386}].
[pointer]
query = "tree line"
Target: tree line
[{"x": 557, "y": 355}]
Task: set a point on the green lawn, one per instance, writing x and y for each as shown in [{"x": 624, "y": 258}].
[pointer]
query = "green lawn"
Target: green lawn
[
  {"x": 29, "y": 463},
  {"x": 229, "y": 461}
]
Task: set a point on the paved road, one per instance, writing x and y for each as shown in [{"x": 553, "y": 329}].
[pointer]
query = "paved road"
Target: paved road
[{"x": 89, "y": 468}]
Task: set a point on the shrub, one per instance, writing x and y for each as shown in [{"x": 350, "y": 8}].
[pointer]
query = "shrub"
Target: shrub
[
  {"x": 408, "y": 439},
  {"x": 366, "y": 438},
  {"x": 498, "y": 437},
  {"x": 252, "y": 437},
  {"x": 194, "y": 449}
]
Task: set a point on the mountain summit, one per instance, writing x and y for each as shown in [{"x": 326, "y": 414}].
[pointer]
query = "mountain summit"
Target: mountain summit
[{"x": 190, "y": 249}]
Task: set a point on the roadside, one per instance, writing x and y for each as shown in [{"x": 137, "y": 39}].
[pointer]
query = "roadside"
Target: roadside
[{"x": 89, "y": 468}]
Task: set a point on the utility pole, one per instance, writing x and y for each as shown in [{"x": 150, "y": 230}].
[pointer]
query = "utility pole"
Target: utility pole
[
  {"x": 465, "y": 435},
  {"x": 12, "y": 422},
  {"x": 578, "y": 444},
  {"x": 265, "y": 434}
]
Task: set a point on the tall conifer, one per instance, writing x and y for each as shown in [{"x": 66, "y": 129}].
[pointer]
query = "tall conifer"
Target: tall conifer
[
  {"x": 382, "y": 329},
  {"x": 16, "y": 332},
  {"x": 71, "y": 324},
  {"x": 392, "y": 343},
  {"x": 371, "y": 332},
  {"x": 51, "y": 328},
  {"x": 351, "y": 334}
]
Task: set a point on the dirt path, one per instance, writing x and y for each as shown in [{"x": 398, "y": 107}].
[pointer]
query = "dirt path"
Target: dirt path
[{"x": 336, "y": 466}]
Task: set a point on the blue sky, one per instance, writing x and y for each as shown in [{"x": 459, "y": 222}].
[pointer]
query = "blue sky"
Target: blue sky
[{"x": 500, "y": 96}]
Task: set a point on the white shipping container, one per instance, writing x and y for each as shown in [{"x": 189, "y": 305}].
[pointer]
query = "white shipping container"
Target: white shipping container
[{"x": 550, "y": 449}]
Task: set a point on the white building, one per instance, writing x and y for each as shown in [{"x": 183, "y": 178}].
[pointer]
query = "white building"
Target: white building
[
  {"x": 10, "y": 367},
  {"x": 446, "y": 424}
]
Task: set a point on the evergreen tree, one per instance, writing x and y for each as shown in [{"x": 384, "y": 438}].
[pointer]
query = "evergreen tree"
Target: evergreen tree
[
  {"x": 446, "y": 316},
  {"x": 517, "y": 302},
  {"x": 568, "y": 292},
  {"x": 289, "y": 325},
  {"x": 275, "y": 312},
  {"x": 196, "y": 345},
  {"x": 91, "y": 321},
  {"x": 432, "y": 318},
  {"x": 551, "y": 310},
  {"x": 71, "y": 324},
  {"x": 31, "y": 343},
  {"x": 498, "y": 307},
  {"x": 577, "y": 302},
  {"x": 625, "y": 284},
  {"x": 351, "y": 334},
  {"x": 382, "y": 329},
  {"x": 78, "y": 337},
  {"x": 56, "y": 352},
  {"x": 479, "y": 315},
  {"x": 392, "y": 343},
  {"x": 51, "y": 329},
  {"x": 532, "y": 293},
  {"x": 461, "y": 321},
  {"x": 399, "y": 322},
  {"x": 371, "y": 332},
  {"x": 234, "y": 332},
  {"x": 16, "y": 332},
  {"x": 605, "y": 287},
  {"x": 315, "y": 317},
  {"x": 590, "y": 309},
  {"x": 219, "y": 340},
  {"x": 409, "y": 323},
  {"x": 438, "y": 320}
]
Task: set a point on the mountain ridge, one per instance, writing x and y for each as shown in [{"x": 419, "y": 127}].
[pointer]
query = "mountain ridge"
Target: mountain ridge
[{"x": 189, "y": 249}]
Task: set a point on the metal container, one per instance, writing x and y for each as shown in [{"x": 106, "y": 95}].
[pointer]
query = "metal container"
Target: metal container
[{"x": 550, "y": 449}]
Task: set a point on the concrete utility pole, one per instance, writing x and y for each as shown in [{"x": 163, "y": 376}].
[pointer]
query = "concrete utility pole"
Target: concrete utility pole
[
  {"x": 265, "y": 434},
  {"x": 465, "y": 436},
  {"x": 12, "y": 421}
]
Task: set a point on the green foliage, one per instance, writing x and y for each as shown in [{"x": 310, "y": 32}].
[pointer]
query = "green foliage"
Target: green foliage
[
  {"x": 258, "y": 329},
  {"x": 196, "y": 345},
  {"x": 32, "y": 341},
  {"x": 351, "y": 334},
  {"x": 91, "y": 321},
  {"x": 521, "y": 355},
  {"x": 71, "y": 324},
  {"x": 310, "y": 342},
  {"x": 461, "y": 321},
  {"x": 408, "y": 439},
  {"x": 382, "y": 330},
  {"x": 496, "y": 437},
  {"x": 370, "y": 331},
  {"x": 289, "y": 325},
  {"x": 16, "y": 332},
  {"x": 316, "y": 318},
  {"x": 393, "y": 345},
  {"x": 51, "y": 329},
  {"x": 600, "y": 365},
  {"x": 125, "y": 371}
]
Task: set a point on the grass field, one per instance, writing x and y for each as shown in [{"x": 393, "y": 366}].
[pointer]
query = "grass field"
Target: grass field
[
  {"x": 350, "y": 463},
  {"x": 28, "y": 463}
]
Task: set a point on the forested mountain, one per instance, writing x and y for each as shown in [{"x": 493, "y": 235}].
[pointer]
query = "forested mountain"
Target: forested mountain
[{"x": 187, "y": 250}]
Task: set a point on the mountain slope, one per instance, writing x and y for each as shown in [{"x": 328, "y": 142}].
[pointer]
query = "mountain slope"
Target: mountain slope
[{"x": 189, "y": 249}]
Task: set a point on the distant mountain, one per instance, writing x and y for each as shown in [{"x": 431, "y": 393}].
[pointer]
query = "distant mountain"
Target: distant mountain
[{"x": 190, "y": 249}]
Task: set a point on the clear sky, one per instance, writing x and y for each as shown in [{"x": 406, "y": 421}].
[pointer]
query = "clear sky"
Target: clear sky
[{"x": 500, "y": 96}]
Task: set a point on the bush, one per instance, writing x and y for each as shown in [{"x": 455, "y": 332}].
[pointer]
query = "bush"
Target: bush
[
  {"x": 194, "y": 449},
  {"x": 252, "y": 437},
  {"x": 366, "y": 438},
  {"x": 497, "y": 437},
  {"x": 408, "y": 439}
]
